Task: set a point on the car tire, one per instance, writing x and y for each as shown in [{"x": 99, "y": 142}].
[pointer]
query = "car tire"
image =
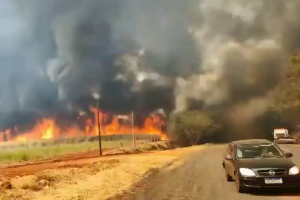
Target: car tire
[
  {"x": 228, "y": 177},
  {"x": 239, "y": 187}
]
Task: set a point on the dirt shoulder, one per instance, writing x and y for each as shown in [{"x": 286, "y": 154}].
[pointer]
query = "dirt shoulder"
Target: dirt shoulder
[
  {"x": 78, "y": 160},
  {"x": 88, "y": 179}
]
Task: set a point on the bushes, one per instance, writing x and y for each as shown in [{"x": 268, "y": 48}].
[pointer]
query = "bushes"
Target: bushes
[{"x": 188, "y": 127}]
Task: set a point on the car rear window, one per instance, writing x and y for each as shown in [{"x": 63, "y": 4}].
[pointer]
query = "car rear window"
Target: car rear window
[{"x": 257, "y": 151}]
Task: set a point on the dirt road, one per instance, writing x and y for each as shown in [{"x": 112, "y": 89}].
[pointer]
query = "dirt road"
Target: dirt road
[{"x": 199, "y": 176}]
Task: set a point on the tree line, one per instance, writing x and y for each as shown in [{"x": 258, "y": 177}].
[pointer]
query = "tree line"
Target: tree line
[{"x": 195, "y": 126}]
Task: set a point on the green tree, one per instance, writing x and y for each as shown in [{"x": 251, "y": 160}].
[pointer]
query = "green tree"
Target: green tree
[{"x": 189, "y": 126}]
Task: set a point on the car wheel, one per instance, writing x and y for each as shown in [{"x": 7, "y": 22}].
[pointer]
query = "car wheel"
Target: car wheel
[
  {"x": 228, "y": 177},
  {"x": 239, "y": 187}
]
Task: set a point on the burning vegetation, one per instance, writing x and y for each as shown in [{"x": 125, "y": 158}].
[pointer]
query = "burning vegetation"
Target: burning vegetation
[{"x": 47, "y": 128}]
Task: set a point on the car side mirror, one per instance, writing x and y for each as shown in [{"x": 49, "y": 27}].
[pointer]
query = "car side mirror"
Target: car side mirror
[
  {"x": 288, "y": 155},
  {"x": 228, "y": 157}
]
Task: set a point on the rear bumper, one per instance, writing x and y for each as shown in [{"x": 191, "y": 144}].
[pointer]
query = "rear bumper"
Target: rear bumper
[
  {"x": 286, "y": 141},
  {"x": 259, "y": 182}
]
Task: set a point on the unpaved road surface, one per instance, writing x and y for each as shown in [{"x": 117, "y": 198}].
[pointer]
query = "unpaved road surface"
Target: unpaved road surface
[{"x": 200, "y": 176}]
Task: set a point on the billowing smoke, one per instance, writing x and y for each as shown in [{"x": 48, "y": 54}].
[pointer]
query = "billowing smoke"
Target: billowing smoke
[
  {"x": 242, "y": 49},
  {"x": 140, "y": 54},
  {"x": 245, "y": 47}
]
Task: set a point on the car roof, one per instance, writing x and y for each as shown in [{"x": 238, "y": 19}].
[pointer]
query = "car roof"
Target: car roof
[{"x": 254, "y": 141}]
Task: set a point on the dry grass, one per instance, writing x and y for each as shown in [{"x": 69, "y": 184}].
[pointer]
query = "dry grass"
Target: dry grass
[
  {"x": 107, "y": 181},
  {"x": 6, "y": 185},
  {"x": 32, "y": 186},
  {"x": 14, "y": 196},
  {"x": 146, "y": 147},
  {"x": 48, "y": 177},
  {"x": 40, "y": 182},
  {"x": 99, "y": 180}
]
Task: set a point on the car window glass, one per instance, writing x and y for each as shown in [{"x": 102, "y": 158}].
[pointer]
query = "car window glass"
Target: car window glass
[
  {"x": 257, "y": 151},
  {"x": 239, "y": 153},
  {"x": 271, "y": 150}
]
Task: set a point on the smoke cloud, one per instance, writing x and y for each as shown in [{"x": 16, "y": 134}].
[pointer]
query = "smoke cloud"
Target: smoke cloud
[{"x": 140, "y": 54}]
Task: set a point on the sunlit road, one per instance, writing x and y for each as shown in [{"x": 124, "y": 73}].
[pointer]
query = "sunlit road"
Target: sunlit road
[{"x": 201, "y": 177}]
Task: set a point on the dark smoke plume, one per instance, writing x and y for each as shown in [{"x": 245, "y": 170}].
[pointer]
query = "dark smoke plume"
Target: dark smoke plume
[{"x": 140, "y": 54}]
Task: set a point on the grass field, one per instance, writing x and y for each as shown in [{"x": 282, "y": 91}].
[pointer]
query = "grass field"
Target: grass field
[{"x": 44, "y": 149}]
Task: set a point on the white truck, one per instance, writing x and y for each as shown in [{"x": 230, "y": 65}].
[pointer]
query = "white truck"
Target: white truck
[{"x": 281, "y": 135}]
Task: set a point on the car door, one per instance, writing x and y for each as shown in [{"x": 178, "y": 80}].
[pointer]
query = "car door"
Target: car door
[
  {"x": 232, "y": 161},
  {"x": 227, "y": 162}
]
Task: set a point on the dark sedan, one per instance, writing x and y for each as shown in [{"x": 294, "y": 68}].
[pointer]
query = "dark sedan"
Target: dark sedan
[{"x": 259, "y": 164}]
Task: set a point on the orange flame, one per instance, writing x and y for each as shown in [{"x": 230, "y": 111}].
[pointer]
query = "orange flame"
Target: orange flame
[
  {"x": 47, "y": 129},
  {"x": 151, "y": 126},
  {"x": 44, "y": 129}
]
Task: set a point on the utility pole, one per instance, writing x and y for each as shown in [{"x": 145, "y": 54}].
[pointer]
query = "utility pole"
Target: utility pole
[
  {"x": 160, "y": 133},
  {"x": 133, "y": 131},
  {"x": 99, "y": 131}
]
